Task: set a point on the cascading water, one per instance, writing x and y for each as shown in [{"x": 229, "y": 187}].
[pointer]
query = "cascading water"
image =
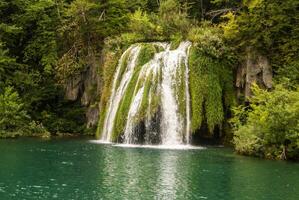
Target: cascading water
[
  {"x": 118, "y": 92},
  {"x": 156, "y": 101}
]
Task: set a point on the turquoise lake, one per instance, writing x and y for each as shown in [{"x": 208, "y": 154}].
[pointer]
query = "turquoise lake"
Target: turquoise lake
[{"x": 79, "y": 169}]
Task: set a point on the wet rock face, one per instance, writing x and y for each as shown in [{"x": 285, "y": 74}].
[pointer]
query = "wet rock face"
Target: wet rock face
[
  {"x": 86, "y": 87},
  {"x": 92, "y": 115},
  {"x": 256, "y": 69},
  {"x": 73, "y": 87}
]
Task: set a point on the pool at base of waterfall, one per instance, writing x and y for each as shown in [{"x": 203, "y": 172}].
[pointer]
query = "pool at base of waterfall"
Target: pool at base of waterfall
[{"x": 79, "y": 169}]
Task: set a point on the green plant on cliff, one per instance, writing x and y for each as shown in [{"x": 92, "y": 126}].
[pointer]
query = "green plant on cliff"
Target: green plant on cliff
[
  {"x": 269, "y": 127},
  {"x": 211, "y": 77},
  {"x": 180, "y": 89}
]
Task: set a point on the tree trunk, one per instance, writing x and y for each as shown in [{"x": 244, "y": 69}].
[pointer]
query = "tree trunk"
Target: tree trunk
[{"x": 283, "y": 155}]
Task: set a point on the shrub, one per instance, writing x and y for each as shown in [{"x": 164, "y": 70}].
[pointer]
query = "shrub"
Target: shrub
[{"x": 270, "y": 126}]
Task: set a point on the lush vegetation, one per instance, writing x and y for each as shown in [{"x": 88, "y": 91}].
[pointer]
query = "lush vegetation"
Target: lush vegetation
[
  {"x": 14, "y": 118},
  {"x": 44, "y": 43},
  {"x": 269, "y": 127},
  {"x": 211, "y": 77}
]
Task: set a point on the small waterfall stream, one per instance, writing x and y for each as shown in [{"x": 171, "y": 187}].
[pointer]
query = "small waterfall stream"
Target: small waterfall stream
[{"x": 157, "y": 101}]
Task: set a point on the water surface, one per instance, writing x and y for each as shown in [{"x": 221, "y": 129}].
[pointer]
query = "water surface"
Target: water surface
[{"x": 78, "y": 169}]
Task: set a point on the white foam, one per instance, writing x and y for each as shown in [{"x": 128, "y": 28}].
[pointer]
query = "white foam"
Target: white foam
[
  {"x": 171, "y": 147},
  {"x": 100, "y": 141}
]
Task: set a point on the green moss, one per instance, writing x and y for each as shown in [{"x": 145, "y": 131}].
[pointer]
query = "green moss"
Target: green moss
[
  {"x": 122, "y": 112},
  {"x": 147, "y": 52},
  {"x": 180, "y": 89},
  {"x": 146, "y": 93},
  {"x": 158, "y": 48},
  {"x": 176, "y": 40},
  {"x": 196, "y": 90},
  {"x": 123, "y": 67},
  {"x": 210, "y": 83},
  {"x": 213, "y": 102},
  {"x": 154, "y": 93}
]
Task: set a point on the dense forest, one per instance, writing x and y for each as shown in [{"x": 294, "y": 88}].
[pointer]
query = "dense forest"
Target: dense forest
[{"x": 46, "y": 44}]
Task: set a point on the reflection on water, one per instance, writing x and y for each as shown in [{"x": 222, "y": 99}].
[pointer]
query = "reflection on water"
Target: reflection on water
[
  {"x": 76, "y": 169},
  {"x": 167, "y": 176}
]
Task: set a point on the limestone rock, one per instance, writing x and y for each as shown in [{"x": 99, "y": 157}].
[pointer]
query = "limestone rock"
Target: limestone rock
[
  {"x": 92, "y": 115},
  {"x": 73, "y": 87},
  {"x": 86, "y": 88},
  {"x": 256, "y": 69}
]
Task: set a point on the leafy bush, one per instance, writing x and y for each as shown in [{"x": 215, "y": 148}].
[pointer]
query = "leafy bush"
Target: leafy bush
[
  {"x": 289, "y": 71},
  {"x": 270, "y": 126},
  {"x": 142, "y": 23},
  {"x": 172, "y": 18},
  {"x": 209, "y": 39},
  {"x": 170, "y": 23}
]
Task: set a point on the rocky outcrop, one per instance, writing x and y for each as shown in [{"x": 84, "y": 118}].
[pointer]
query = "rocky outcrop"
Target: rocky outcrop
[
  {"x": 86, "y": 87},
  {"x": 256, "y": 69}
]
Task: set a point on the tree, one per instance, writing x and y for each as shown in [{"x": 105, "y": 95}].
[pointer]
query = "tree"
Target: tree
[{"x": 14, "y": 117}]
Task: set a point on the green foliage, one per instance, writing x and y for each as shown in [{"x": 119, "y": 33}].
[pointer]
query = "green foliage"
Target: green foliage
[
  {"x": 169, "y": 23},
  {"x": 209, "y": 39},
  {"x": 78, "y": 33},
  {"x": 269, "y": 124},
  {"x": 267, "y": 25},
  {"x": 211, "y": 77},
  {"x": 142, "y": 23},
  {"x": 14, "y": 119},
  {"x": 12, "y": 113},
  {"x": 173, "y": 18},
  {"x": 289, "y": 71},
  {"x": 7, "y": 66}
]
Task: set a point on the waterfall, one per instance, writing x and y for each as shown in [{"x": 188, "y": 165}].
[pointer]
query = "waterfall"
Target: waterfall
[
  {"x": 118, "y": 92},
  {"x": 171, "y": 125},
  {"x": 160, "y": 101}
]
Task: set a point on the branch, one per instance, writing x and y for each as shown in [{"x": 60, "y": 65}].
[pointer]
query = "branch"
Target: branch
[{"x": 215, "y": 13}]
